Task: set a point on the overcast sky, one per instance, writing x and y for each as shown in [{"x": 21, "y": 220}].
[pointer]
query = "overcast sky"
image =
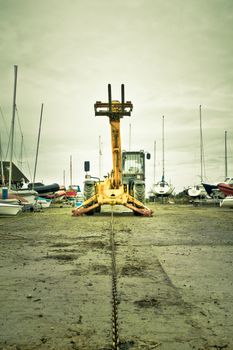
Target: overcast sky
[{"x": 172, "y": 56}]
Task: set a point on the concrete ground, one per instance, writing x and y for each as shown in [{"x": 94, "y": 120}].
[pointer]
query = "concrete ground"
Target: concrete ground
[{"x": 175, "y": 280}]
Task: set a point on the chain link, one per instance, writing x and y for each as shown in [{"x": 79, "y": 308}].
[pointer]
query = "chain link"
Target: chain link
[{"x": 115, "y": 333}]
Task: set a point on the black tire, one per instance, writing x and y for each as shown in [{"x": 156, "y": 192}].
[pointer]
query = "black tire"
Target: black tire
[
  {"x": 88, "y": 192},
  {"x": 137, "y": 214},
  {"x": 98, "y": 209},
  {"x": 91, "y": 212},
  {"x": 139, "y": 191}
]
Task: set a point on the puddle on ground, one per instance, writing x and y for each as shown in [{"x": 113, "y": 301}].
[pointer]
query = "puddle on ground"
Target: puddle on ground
[
  {"x": 126, "y": 345},
  {"x": 101, "y": 269},
  {"x": 133, "y": 271},
  {"x": 60, "y": 244},
  {"x": 146, "y": 303},
  {"x": 64, "y": 257}
]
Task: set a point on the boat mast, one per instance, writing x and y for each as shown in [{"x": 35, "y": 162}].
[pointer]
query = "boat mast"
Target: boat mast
[
  {"x": 21, "y": 154},
  {"x": 38, "y": 143},
  {"x": 163, "y": 176},
  {"x": 226, "y": 170},
  {"x": 71, "y": 171},
  {"x": 13, "y": 124},
  {"x": 1, "y": 158},
  {"x": 64, "y": 178},
  {"x": 154, "y": 160},
  {"x": 201, "y": 146}
]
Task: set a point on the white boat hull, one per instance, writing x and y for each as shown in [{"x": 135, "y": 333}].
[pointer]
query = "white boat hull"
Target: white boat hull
[
  {"x": 227, "y": 202},
  {"x": 26, "y": 195},
  {"x": 197, "y": 191},
  {"x": 9, "y": 209},
  {"x": 58, "y": 199},
  {"x": 10, "y": 201},
  {"x": 161, "y": 189},
  {"x": 44, "y": 203}
]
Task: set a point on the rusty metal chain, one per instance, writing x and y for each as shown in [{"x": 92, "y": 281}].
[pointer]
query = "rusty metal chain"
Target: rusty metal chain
[{"x": 115, "y": 333}]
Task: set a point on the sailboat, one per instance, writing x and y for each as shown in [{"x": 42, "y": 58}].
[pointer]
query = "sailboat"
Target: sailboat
[
  {"x": 8, "y": 206},
  {"x": 226, "y": 187},
  {"x": 1, "y": 160},
  {"x": 220, "y": 189},
  {"x": 23, "y": 195},
  {"x": 162, "y": 188},
  {"x": 198, "y": 191}
]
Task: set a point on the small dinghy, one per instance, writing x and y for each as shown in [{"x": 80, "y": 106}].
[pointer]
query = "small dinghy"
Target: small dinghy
[
  {"x": 44, "y": 189},
  {"x": 43, "y": 202},
  {"x": 7, "y": 209}
]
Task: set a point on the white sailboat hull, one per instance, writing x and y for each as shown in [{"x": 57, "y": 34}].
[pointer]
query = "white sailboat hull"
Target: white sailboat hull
[
  {"x": 227, "y": 202},
  {"x": 9, "y": 209},
  {"x": 197, "y": 191},
  {"x": 161, "y": 189}
]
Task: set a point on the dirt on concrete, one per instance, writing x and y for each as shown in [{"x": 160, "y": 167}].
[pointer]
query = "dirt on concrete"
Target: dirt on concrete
[{"x": 174, "y": 279}]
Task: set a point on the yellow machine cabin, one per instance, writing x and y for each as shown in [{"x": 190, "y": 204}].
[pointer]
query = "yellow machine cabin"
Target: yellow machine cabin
[{"x": 126, "y": 183}]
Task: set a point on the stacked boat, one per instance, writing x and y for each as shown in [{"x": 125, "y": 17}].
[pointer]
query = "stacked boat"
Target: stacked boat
[
  {"x": 8, "y": 209},
  {"x": 8, "y": 206},
  {"x": 43, "y": 202},
  {"x": 25, "y": 198},
  {"x": 54, "y": 194},
  {"x": 46, "y": 193}
]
